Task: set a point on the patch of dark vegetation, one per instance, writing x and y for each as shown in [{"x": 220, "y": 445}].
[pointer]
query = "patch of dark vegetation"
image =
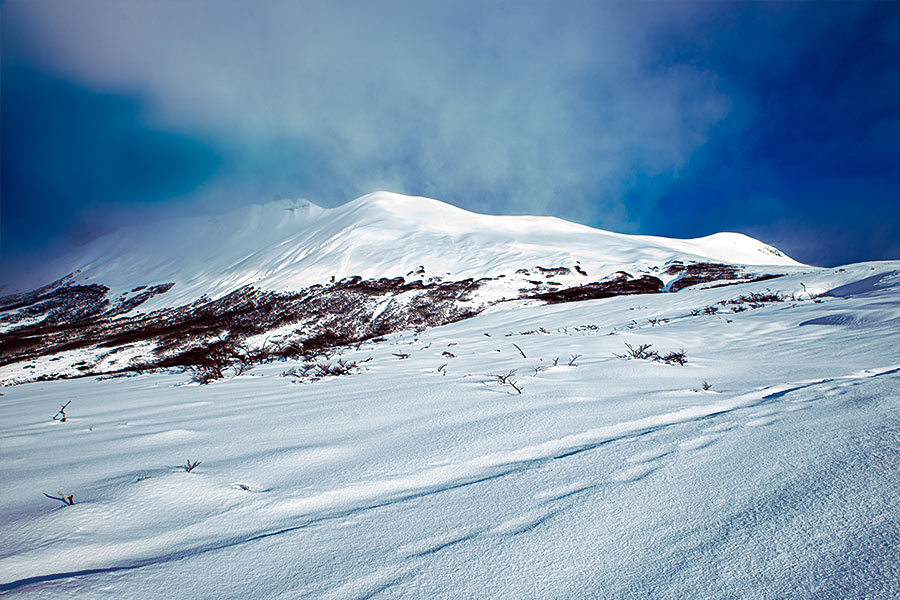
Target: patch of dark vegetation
[
  {"x": 622, "y": 284},
  {"x": 749, "y": 279},
  {"x": 209, "y": 336},
  {"x": 14, "y": 301},
  {"x": 315, "y": 370},
  {"x": 69, "y": 304},
  {"x": 554, "y": 271},
  {"x": 696, "y": 273},
  {"x": 754, "y": 300},
  {"x": 61, "y": 305}
]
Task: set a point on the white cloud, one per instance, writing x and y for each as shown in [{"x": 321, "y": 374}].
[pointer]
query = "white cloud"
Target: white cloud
[{"x": 542, "y": 107}]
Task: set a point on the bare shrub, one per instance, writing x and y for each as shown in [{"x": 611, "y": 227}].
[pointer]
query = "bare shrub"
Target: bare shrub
[
  {"x": 336, "y": 368},
  {"x": 645, "y": 352},
  {"x": 292, "y": 372},
  {"x": 755, "y": 300},
  {"x": 315, "y": 370},
  {"x": 61, "y": 413},
  {"x": 705, "y": 386},
  {"x": 189, "y": 466},
  {"x": 642, "y": 352},
  {"x": 508, "y": 380},
  {"x": 203, "y": 374},
  {"x": 573, "y": 358},
  {"x": 239, "y": 367},
  {"x": 674, "y": 358},
  {"x": 539, "y": 369}
]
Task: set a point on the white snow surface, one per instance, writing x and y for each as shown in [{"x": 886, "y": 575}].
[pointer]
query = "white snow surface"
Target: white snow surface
[
  {"x": 291, "y": 244},
  {"x": 609, "y": 478}
]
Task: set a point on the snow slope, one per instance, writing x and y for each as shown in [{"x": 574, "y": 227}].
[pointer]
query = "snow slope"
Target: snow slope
[
  {"x": 606, "y": 478},
  {"x": 292, "y": 244}
]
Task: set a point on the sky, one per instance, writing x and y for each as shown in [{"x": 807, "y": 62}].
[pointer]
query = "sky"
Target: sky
[{"x": 681, "y": 119}]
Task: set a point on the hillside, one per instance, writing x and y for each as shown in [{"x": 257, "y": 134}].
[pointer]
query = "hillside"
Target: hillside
[
  {"x": 519, "y": 453},
  {"x": 290, "y": 278}
]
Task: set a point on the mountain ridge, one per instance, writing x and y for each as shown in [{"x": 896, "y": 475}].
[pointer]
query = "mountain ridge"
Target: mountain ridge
[
  {"x": 289, "y": 244},
  {"x": 291, "y": 279}
]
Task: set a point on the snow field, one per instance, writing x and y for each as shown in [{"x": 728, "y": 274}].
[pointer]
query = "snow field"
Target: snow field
[{"x": 613, "y": 478}]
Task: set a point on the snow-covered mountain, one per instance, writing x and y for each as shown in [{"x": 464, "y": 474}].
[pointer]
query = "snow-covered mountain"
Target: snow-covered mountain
[
  {"x": 302, "y": 278},
  {"x": 289, "y": 245},
  {"x": 306, "y": 278},
  {"x": 541, "y": 410}
]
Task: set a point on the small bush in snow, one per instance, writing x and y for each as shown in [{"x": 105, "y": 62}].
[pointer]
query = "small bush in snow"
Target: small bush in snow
[
  {"x": 508, "y": 380},
  {"x": 203, "y": 374},
  {"x": 61, "y": 413},
  {"x": 674, "y": 358},
  {"x": 642, "y": 352},
  {"x": 313, "y": 371},
  {"x": 705, "y": 386},
  {"x": 645, "y": 352},
  {"x": 189, "y": 466}
]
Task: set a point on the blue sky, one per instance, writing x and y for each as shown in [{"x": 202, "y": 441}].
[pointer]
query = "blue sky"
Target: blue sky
[{"x": 779, "y": 120}]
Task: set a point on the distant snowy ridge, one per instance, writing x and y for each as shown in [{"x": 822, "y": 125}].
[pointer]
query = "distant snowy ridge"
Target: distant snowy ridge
[{"x": 288, "y": 245}]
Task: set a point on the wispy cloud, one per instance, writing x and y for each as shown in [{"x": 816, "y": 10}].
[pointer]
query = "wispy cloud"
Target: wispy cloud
[
  {"x": 648, "y": 117},
  {"x": 511, "y": 107}
]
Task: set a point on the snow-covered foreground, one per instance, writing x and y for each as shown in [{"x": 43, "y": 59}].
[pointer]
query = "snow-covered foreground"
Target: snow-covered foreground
[{"x": 609, "y": 478}]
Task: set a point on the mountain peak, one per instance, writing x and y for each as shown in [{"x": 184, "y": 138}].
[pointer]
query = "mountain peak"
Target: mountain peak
[{"x": 290, "y": 244}]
